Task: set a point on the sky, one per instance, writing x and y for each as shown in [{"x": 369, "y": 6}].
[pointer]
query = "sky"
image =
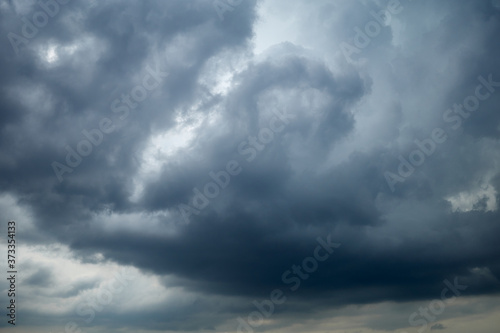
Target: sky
[{"x": 326, "y": 166}]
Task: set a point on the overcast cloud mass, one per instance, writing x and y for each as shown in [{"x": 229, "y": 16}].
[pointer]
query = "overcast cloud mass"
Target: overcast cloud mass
[{"x": 251, "y": 165}]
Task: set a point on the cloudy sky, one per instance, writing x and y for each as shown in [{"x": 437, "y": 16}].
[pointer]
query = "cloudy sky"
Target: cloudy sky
[{"x": 327, "y": 166}]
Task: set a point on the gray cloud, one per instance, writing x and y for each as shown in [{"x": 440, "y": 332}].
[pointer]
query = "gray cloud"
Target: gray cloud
[{"x": 323, "y": 174}]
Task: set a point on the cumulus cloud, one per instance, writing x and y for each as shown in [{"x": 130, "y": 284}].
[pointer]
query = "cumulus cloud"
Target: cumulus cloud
[{"x": 207, "y": 145}]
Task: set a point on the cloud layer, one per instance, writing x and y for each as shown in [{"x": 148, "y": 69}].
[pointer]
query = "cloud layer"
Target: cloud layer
[{"x": 206, "y": 147}]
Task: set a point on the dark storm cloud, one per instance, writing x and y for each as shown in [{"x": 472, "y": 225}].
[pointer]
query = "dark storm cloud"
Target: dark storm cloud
[
  {"x": 348, "y": 199},
  {"x": 396, "y": 246},
  {"x": 291, "y": 79},
  {"x": 78, "y": 93}
]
